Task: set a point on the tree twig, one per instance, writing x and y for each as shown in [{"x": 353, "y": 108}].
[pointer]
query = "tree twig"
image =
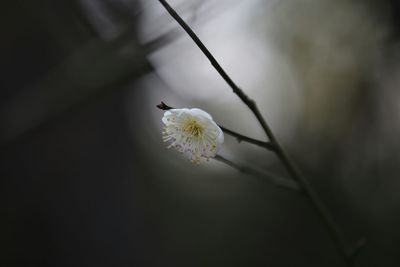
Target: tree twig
[
  {"x": 247, "y": 139},
  {"x": 337, "y": 235},
  {"x": 238, "y": 136},
  {"x": 263, "y": 175}
]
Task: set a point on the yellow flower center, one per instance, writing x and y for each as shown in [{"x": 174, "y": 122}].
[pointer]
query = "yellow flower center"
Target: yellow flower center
[{"x": 193, "y": 128}]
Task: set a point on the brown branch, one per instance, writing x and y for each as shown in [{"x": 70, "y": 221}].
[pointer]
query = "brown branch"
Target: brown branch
[
  {"x": 337, "y": 235},
  {"x": 265, "y": 176}
]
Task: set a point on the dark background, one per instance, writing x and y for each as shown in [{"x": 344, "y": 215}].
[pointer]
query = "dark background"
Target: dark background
[{"x": 78, "y": 187}]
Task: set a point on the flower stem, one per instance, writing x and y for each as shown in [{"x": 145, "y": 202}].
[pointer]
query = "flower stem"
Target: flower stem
[{"x": 338, "y": 237}]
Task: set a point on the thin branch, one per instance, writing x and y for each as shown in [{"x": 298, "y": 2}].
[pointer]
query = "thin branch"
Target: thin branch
[
  {"x": 337, "y": 235},
  {"x": 264, "y": 176},
  {"x": 247, "y": 139},
  {"x": 238, "y": 136}
]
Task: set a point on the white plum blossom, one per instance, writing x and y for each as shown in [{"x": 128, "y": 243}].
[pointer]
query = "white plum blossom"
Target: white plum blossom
[{"x": 192, "y": 132}]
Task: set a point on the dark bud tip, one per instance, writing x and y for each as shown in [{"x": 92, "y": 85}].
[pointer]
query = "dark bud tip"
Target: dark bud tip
[{"x": 163, "y": 106}]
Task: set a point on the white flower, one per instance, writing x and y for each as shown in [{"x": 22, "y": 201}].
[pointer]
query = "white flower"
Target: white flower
[{"x": 192, "y": 132}]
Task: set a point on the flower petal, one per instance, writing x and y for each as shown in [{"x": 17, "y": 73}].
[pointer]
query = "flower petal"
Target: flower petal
[
  {"x": 198, "y": 112},
  {"x": 192, "y": 132}
]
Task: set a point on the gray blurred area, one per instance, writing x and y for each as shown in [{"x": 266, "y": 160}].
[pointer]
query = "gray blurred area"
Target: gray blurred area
[{"x": 85, "y": 177}]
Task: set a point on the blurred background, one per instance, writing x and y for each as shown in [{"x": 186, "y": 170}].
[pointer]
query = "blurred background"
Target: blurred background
[{"x": 85, "y": 177}]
